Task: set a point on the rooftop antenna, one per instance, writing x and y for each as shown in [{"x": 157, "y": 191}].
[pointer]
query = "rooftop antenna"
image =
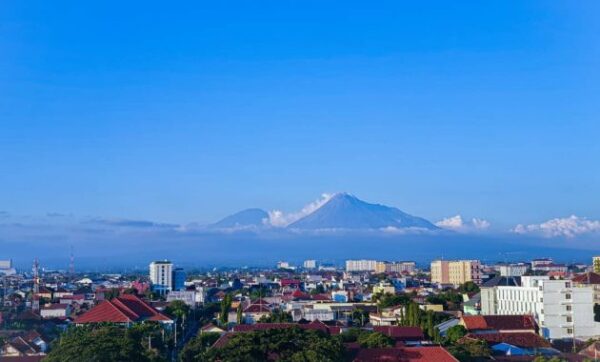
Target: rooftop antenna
[
  {"x": 72, "y": 263},
  {"x": 35, "y": 298}
]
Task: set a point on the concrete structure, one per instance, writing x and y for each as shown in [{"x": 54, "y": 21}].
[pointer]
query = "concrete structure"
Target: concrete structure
[
  {"x": 455, "y": 272},
  {"x": 186, "y": 296},
  {"x": 179, "y": 278},
  {"x": 310, "y": 264},
  {"x": 383, "y": 288},
  {"x": 361, "y": 265},
  {"x": 513, "y": 270},
  {"x": 537, "y": 263},
  {"x": 161, "y": 276},
  {"x": 401, "y": 267},
  {"x": 560, "y": 309}
]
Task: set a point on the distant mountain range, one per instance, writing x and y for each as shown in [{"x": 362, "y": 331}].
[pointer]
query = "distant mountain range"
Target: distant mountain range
[
  {"x": 341, "y": 211},
  {"x": 243, "y": 219}
]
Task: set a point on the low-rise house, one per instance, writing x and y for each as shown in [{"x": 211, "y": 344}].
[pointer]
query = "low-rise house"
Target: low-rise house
[{"x": 56, "y": 310}]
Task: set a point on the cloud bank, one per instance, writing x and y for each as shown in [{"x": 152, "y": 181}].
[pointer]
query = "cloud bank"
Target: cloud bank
[
  {"x": 457, "y": 223},
  {"x": 568, "y": 227}
]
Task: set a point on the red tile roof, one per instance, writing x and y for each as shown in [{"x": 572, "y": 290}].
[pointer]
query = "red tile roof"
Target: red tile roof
[
  {"x": 124, "y": 309},
  {"x": 405, "y": 354},
  {"x": 401, "y": 333},
  {"x": 519, "y": 339},
  {"x": 499, "y": 322}
]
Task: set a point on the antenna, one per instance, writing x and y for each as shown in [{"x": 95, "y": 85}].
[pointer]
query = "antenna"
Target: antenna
[
  {"x": 72, "y": 263},
  {"x": 35, "y": 297}
]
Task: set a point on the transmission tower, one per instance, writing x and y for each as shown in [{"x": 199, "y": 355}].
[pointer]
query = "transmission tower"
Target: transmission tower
[
  {"x": 35, "y": 296},
  {"x": 72, "y": 263}
]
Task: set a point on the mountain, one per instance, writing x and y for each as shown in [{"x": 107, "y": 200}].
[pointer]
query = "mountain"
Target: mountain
[
  {"x": 243, "y": 219},
  {"x": 344, "y": 211}
]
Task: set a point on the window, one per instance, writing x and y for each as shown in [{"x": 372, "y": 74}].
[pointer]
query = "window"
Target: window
[
  {"x": 567, "y": 285},
  {"x": 569, "y": 308},
  {"x": 569, "y": 319},
  {"x": 569, "y": 330},
  {"x": 568, "y": 296}
]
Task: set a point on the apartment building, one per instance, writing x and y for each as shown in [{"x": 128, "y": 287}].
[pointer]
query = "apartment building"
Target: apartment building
[
  {"x": 455, "y": 272},
  {"x": 361, "y": 265},
  {"x": 161, "y": 276},
  {"x": 561, "y": 309}
]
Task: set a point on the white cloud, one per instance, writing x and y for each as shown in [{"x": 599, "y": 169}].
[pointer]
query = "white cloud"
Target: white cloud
[
  {"x": 568, "y": 227},
  {"x": 457, "y": 223},
  {"x": 278, "y": 218}
]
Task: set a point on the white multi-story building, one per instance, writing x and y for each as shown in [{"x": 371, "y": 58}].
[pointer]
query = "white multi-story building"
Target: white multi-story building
[
  {"x": 310, "y": 264},
  {"x": 161, "y": 276},
  {"x": 401, "y": 267},
  {"x": 513, "y": 270},
  {"x": 361, "y": 265},
  {"x": 560, "y": 309}
]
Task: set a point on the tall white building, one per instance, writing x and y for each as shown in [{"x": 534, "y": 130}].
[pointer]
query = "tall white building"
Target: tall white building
[
  {"x": 560, "y": 309},
  {"x": 161, "y": 276},
  {"x": 361, "y": 265},
  {"x": 310, "y": 264}
]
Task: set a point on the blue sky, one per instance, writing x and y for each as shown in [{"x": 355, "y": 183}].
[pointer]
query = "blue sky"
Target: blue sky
[{"x": 188, "y": 112}]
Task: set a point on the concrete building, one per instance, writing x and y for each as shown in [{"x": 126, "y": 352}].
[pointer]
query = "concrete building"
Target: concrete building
[
  {"x": 537, "y": 263},
  {"x": 186, "y": 296},
  {"x": 310, "y": 264},
  {"x": 401, "y": 267},
  {"x": 179, "y": 278},
  {"x": 161, "y": 276},
  {"x": 560, "y": 309},
  {"x": 455, "y": 272},
  {"x": 361, "y": 265},
  {"x": 513, "y": 270}
]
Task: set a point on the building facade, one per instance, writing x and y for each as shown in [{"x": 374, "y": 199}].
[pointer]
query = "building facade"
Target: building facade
[
  {"x": 361, "y": 265},
  {"x": 310, "y": 264},
  {"x": 560, "y": 309},
  {"x": 455, "y": 272},
  {"x": 161, "y": 276}
]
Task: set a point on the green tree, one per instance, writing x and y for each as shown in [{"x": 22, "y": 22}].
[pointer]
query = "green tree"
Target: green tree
[
  {"x": 455, "y": 333},
  {"x": 225, "y": 306},
  {"x": 288, "y": 344},
  {"x": 240, "y": 315},
  {"x": 469, "y": 287},
  {"x": 194, "y": 349},
  {"x": 177, "y": 308},
  {"x": 104, "y": 343},
  {"x": 470, "y": 350},
  {"x": 277, "y": 316},
  {"x": 375, "y": 340}
]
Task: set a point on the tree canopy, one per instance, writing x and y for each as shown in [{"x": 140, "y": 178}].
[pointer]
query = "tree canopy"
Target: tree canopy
[{"x": 288, "y": 344}]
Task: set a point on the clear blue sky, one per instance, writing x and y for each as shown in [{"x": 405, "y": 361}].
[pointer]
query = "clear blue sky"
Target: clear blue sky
[{"x": 183, "y": 113}]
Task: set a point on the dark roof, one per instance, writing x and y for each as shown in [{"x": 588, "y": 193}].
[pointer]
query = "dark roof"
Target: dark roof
[
  {"x": 401, "y": 333},
  {"x": 502, "y": 281},
  {"x": 587, "y": 278}
]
